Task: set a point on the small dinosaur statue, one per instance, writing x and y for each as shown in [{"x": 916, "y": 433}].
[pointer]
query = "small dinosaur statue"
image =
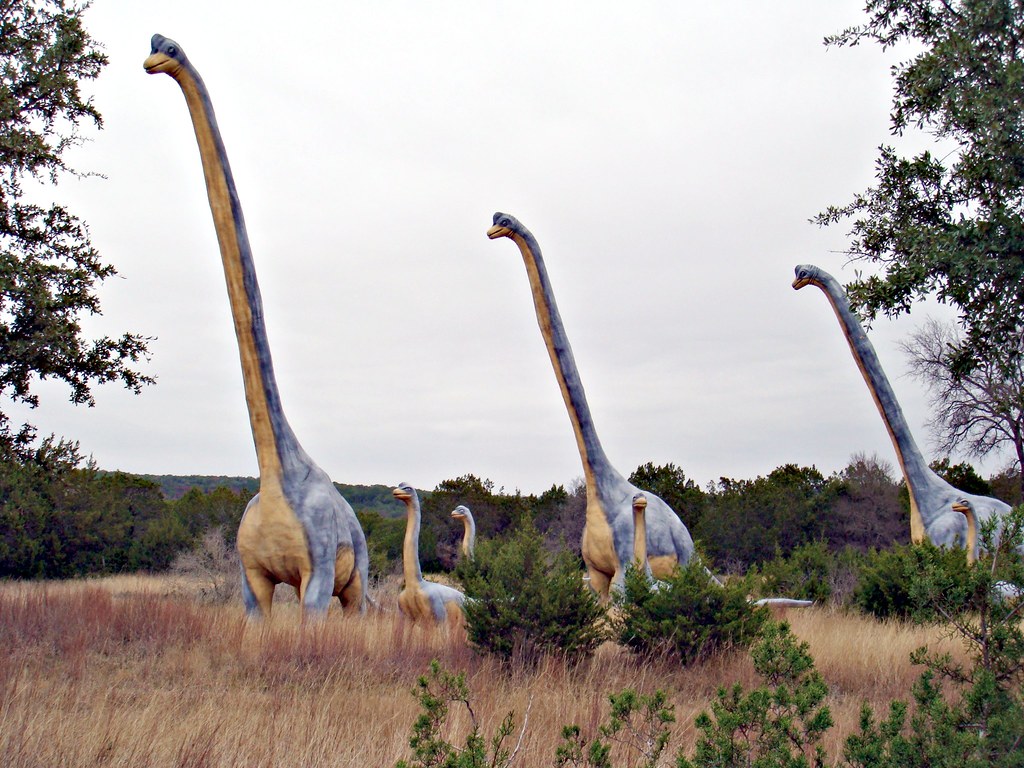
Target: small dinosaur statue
[
  {"x": 1003, "y": 589},
  {"x": 462, "y": 513},
  {"x": 422, "y": 600}
]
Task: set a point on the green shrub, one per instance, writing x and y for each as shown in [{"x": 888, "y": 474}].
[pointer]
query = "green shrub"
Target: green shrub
[
  {"x": 638, "y": 723},
  {"x": 523, "y": 602},
  {"x": 808, "y": 573},
  {"x": 971, "y": 714},
  {"x": 886, "y": 585},
  {"x": 436, "y": 693},
  {"x": 777, "y": 726},
  {"x": 688, "y": 615}
]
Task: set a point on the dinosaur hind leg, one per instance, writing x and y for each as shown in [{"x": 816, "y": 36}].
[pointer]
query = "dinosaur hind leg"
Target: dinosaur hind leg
[
  {"x": 351, "y": 591},
  {"x": 351, "y": 597}
]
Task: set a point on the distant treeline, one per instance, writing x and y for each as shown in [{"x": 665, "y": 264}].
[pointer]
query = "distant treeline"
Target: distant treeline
[
  {"x": 58, "y": 520},
  {"x": 369, "y": 498}
]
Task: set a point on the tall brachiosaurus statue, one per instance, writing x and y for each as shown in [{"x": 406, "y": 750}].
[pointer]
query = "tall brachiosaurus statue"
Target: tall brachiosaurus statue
[
  {"x": 462, "y": 513},
  {"x": 608, "y": 531},
  {"x": 422, "y": 600},
  {"x": 931, "y": 497},
  {"x": 298, "y": 529}
]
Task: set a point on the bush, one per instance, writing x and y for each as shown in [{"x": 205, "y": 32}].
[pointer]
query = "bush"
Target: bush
[
  {"x": 638, "y": 723},
  {"x": 213, "y": 563},
  {"x": 781, "y": 725},
  {"x": 431, "y": 749},
  {"x": 886, "y": 585},
  {"x": 808, "y": 573},
  {"x": 688, "y": 615},
  {"x": 523, "y": 603}
]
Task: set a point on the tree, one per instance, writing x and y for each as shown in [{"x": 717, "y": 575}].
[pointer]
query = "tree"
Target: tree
[
  {"x": 749, "y": 521},
  {"x": 49, "y": 269},
  {"x": 868, "y": 513},
  {"x": 522, "y": 602},
  {"x": 947, "y": 222},
  {"x": 978, "y": 410}
]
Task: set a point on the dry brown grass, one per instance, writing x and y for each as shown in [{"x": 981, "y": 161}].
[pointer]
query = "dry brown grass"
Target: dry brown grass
[{"x": 136, "y": 671}]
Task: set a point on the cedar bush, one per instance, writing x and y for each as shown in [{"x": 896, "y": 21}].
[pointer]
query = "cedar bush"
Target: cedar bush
[
  {"x": 808, "y": 573},
  {"x": 886, "y": 585},
  {"x": 779, "y": 725},
  {"x": 688, "y": 615},
  {"x": 522, "y": 602}
]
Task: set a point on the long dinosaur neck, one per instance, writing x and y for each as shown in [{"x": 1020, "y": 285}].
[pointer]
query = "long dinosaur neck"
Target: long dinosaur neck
[
  {"x": 274, "y": 440},
  {"x": 639, "y": 537},
  {"x": 912, "y": 462},
  {"x": 595, "y": 464},
  {"x": 972, "y": 535},
  {"x": 468, "y": 536},
  {"x": 411, "y": 544}
]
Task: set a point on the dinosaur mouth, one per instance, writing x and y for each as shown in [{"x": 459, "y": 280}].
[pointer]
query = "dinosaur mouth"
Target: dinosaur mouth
[
  {"x": 498, "y": 231},
  {"x": 800, "y": 282},
  {"x": 153, "y": 64},
  {"x": 961, "y": 508}
]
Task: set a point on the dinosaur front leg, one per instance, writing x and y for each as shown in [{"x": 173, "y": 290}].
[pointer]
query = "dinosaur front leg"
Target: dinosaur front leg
[
  {"x": 257, "y": 592},
  {"x": 600, "y": 582}
]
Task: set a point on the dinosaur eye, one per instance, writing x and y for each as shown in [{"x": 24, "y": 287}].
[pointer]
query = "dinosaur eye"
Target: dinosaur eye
[
  {"x": 172, "y": 51},
  {"x": 506, "y": 223}
]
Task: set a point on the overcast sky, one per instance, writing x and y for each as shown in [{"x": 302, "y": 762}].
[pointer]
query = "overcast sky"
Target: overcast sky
[{"x": 668, "y": 157}]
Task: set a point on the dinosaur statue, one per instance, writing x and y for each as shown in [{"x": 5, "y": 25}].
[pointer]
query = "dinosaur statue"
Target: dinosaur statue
[
  {"x": 422, "y": 600},
  {"x": 297, "y": 529},
  {"x": 640, "y": 536},
  {"x": 608, "y": 532},
  {"x": 462, "y": 513},
  {"x": 963, "y": 506},
  {"x": 931, "y": 497},
  {"x": 1004, "y": 590}
]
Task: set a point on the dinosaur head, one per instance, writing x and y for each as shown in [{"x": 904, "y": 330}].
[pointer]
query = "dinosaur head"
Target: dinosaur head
[
  {"x": 806, "y": 274},
  {"x": 404, "y": 492},
  {"x": 505, "y": 226},
  {"x": 963, "y": 506},
  {"x": 166, "y": 56},
  {"x": 460, "y": 512},
  {"x": 639, "y": 501}
]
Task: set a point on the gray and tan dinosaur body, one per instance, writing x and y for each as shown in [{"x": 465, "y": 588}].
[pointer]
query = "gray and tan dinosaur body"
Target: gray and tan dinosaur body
[
  {"x": 298, "y": 529},
  {"x": 608, "y": 532},
  {"x": 931, "y": 498},
  {"x": 422, "y": 600}
]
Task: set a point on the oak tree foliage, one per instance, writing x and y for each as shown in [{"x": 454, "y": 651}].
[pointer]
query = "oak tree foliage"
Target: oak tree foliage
[
  {"x": 948, "y": 221},
  {"x": 49, "y": 269}
]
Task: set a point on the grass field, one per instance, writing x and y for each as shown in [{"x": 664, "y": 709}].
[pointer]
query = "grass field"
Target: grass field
[{"x": 137, "y": 671}]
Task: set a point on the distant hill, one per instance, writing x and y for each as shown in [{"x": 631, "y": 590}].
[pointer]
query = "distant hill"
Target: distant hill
[{"x": 363, "y": 498}]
